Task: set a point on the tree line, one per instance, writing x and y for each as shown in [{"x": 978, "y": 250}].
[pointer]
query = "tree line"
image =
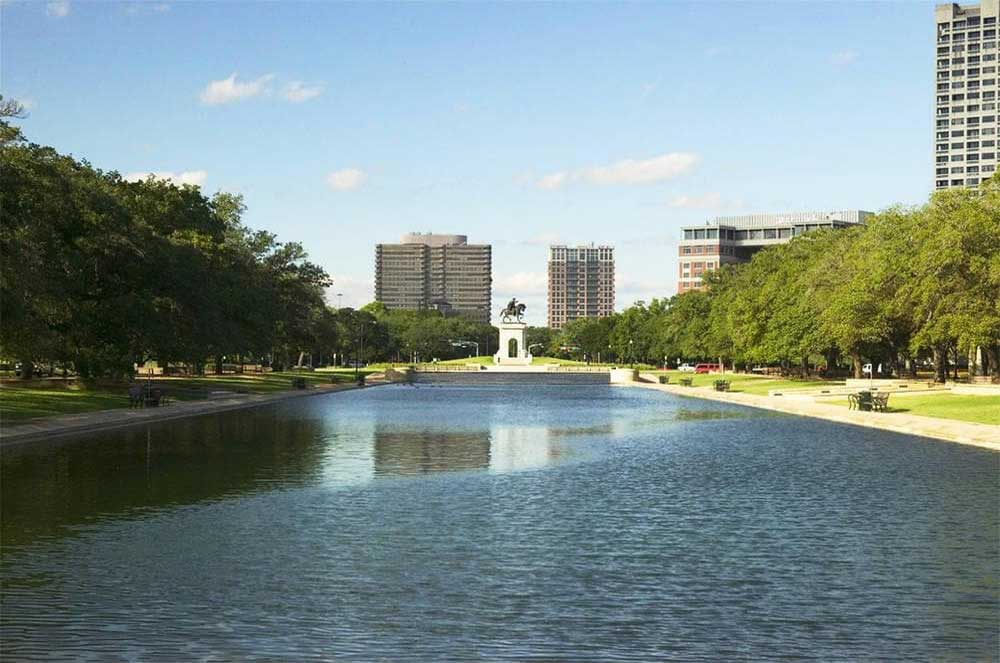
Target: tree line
[
  {"x": 100, "y": 274},
  {"x": 913, "y": 286}
]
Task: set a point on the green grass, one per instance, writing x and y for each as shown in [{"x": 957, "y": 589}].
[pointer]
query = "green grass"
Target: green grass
[
  {"x": 749, "y": 384},
  {"x": 961, "y": 407},
  {"x": 23, "y": 403},
  {"x": 262, "y": 383},
  {"x": 487, "y": 360},
  {"x": 36, "y": 399}
]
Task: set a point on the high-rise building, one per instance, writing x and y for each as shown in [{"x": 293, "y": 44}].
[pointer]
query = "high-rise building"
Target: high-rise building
[
  {"x": 733, "y": 239},
  {"x": 581, "y": 283},
  {"x": 443, "y": 272},
  {"x": 965, "y": 115}
]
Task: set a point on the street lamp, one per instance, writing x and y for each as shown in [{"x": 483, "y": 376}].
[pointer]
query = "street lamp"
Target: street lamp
[
  {"x": 631, "y": 355},
  {"x": 360, "y": 352}
]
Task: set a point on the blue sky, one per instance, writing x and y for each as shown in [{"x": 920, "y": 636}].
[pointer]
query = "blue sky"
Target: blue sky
[{"x": 517, "y": 124}]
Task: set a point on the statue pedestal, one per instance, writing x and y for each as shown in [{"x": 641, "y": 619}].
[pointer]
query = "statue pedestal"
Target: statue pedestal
[{"x": 513, "y": 345}]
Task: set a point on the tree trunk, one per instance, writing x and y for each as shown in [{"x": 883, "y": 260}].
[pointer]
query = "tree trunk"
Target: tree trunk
[
  {"x": 940, "y": 365},
  {"x": 856, "y": 365},
  {"x": 994, "y": 360}
]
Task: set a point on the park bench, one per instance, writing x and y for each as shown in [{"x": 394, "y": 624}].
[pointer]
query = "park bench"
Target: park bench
[
  {"x": 721, "y": 385},
  {"x": 685, "y": 382},
  {"x": 664, "y": 379},
  {"x": 880, "y": 403},
  {"x": 298, "y": 383}
]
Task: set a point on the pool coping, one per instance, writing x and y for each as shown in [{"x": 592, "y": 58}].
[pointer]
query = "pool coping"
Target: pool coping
[
  {"x": 984, "y": 436},
  {"x": 65, "y": 425}
]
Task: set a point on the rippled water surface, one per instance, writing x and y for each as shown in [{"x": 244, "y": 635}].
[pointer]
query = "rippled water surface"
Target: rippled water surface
[{"x": 449, "y": 523}]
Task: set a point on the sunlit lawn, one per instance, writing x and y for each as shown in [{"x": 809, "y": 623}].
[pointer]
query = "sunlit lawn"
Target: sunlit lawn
[
  {"x": 962, "y": 407},
  {"x": 488, "y": 361},
  {"x": 750, "y": 384},
  {"x": 46, "y": 399},
  {"x": 20, "y": 403}
]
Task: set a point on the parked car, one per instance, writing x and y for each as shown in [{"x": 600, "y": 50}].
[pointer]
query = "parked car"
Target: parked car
[
  {"x": 706, "y": 368},
  {"x": 686, "y": 368}
]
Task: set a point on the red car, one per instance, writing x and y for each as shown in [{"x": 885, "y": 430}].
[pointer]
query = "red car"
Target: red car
[{"x": 706, "y": 368}]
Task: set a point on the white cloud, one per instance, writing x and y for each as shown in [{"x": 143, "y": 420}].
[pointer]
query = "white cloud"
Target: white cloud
[
  {"x": 629, "y": 290},
  {"x": 521, "y": 284},
  {"x": 228, "y": 90},
  {"x": 846, "y": 56},
  {"x": 711, "y": 200},
  {"x": 194, "y": 177},
  {"x": 297, "y": 92},
  {"x": 626, "y": 171},
  {"x": 346, "y": 179},
  {"x": 553, "y": 181},
  {"x": 58, "y": 9},
  {"x": 354, "y": 292}
]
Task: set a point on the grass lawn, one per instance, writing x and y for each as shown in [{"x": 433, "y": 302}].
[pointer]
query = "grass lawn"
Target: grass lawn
[
  {"x": 50, "y": 398},
  {"x": 749, "y": 384},
  {"x": 962, "y": 407},
  {"x": 488, "y": 361},
  {"x": 22, "y": 403}
]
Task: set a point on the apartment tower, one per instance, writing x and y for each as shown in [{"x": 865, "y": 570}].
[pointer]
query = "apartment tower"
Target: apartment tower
[
  {"x": 581, "y": 283},
  {"x": 443, "y": 272},
  {"x": 965, "y": 121}
]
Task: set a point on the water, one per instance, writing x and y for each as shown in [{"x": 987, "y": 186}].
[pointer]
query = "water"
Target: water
[{"x": 448, "y": 523}]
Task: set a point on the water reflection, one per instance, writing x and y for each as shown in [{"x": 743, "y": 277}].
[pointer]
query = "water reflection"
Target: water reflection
[
  {"x": 48, "y": 487},
  {"x": 400, "y": 450},
  {"x": 585, "y": 525}
]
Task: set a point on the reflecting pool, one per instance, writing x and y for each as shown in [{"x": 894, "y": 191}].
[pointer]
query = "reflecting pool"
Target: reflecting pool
[{"x": 494, "y": 523}]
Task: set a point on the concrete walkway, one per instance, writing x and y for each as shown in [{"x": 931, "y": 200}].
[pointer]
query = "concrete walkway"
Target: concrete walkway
[
  {"x": 949, "y": 430},
  {"x": 103, "y": 420}
]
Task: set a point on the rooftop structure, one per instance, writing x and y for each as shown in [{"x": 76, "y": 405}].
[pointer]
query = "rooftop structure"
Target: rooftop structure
[{"x": 734, "y": 239}]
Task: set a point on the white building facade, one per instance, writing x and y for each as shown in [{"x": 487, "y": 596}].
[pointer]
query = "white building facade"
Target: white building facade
[{"x": 965, "y": 109}]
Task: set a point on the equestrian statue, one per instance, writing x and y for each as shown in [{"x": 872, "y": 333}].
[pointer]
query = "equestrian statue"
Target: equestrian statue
[{"x": 513, "y": 312}]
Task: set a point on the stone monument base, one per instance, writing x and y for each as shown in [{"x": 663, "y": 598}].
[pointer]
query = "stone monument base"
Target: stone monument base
[{"x": 513, "y": 345}]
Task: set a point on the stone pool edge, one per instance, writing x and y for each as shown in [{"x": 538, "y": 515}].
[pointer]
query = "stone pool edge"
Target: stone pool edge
[
  {"x": 984, "y": 436},
  {"x": 104, "y": 420}
]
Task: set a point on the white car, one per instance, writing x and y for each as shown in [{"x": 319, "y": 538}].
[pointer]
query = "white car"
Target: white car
[{"x": 686, "y": 368}]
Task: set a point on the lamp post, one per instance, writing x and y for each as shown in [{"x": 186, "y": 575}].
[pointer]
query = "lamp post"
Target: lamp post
[
  {"x": 360, "y": 352},
  {"x": 340, "y": 296},
  {"x": 631, "y": 355}
]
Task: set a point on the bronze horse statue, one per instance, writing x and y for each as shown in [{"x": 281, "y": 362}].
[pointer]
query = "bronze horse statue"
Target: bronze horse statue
[{"x": 513, "y": 311}]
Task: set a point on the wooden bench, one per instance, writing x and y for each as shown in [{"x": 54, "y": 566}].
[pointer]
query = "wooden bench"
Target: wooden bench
[
  {"x": 880, "y": 403},
  {"x": 685, "y": 382},
  {"x": 721, "y": 385},
  {"x": 664, "y": 379}
]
